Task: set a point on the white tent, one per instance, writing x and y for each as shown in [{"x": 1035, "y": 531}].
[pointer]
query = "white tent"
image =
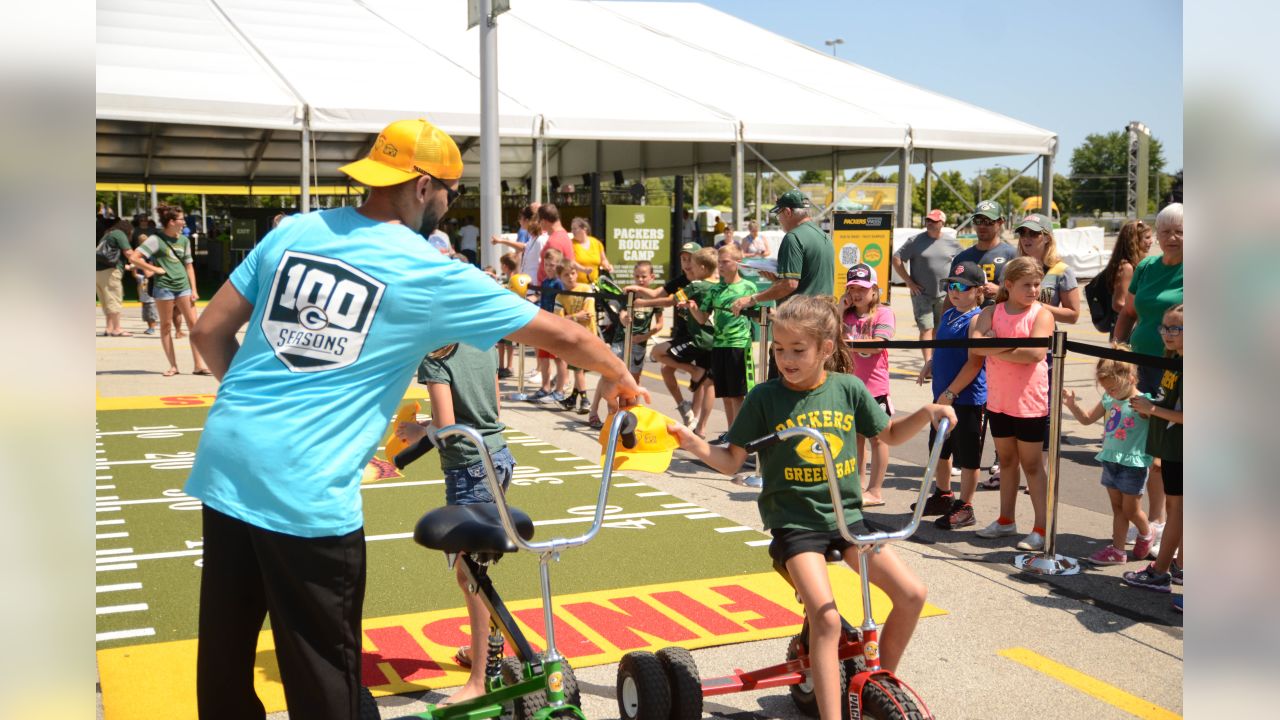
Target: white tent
[{"x": 236, "y": 91}]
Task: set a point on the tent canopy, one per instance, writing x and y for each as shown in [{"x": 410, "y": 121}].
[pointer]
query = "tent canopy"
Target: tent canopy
[{"x": 218, "y": 91}]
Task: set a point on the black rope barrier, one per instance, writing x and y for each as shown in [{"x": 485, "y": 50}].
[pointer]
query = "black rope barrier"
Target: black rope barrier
[
  {"x": 572, "y": 293},
  {"x": 1102, "y": 351},
  {"x": 954, "y": 343}
]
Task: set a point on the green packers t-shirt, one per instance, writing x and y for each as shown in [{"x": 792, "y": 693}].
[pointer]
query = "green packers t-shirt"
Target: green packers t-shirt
[
  {"x": 807, "y": 256},
  {"x": 471, "y": 375},
  {"x": 120, "y": 240},
  {"x": 795, "y": 493},
  {"x": 731, "y": 331},
  {"x": 172, "y": 254},
  {"x": 701, "y": 292},
  {"x": 1156, "y": 287},
  {"x": 1164, "y": 438}
]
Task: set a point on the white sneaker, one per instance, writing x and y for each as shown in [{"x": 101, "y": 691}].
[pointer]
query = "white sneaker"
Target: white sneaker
[
  {"x": 955, "y": 471},
  {"x": 1158, "y": 529},
  {"x": 995, "y": 530},
  {"x": 1033, "y": 542}
]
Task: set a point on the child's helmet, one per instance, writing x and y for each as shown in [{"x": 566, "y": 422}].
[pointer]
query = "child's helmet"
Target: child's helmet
[{"x": 519, "y": 283}]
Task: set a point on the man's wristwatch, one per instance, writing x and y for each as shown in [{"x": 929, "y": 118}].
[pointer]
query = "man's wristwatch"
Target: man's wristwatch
[{"x": 949, "y": 395}]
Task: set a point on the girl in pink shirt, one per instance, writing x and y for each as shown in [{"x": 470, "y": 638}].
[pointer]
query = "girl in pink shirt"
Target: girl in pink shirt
[
  {"x": 1017, "y": 394},
  {"x": 866, "y": 319}
]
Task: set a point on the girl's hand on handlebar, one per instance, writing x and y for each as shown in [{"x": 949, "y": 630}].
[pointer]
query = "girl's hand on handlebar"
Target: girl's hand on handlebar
[
  {"x": 410, "y": 432},
  {"x": 938, "y": 412}
]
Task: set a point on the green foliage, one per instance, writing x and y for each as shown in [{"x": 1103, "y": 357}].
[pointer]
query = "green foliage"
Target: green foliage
[
  {"x": 1100, "y": 166},
  {"x": 943, "y": 199},
  {"x": 815, "y": 176}
]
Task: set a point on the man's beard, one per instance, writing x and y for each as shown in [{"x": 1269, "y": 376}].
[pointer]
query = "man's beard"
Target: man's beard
[{"x": 430, "y": 221}]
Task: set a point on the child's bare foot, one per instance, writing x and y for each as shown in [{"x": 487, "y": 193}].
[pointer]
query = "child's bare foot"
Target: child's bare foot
[
  {"x": 473, "y": 689},
  {"x": 872, "y": 500}
]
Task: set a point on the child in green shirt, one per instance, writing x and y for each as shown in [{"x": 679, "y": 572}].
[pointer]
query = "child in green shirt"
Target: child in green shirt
[{"x": 731, "y": 344}]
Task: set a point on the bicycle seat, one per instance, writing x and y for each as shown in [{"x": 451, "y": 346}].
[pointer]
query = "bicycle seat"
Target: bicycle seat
[{"x": 470, "y": 529}]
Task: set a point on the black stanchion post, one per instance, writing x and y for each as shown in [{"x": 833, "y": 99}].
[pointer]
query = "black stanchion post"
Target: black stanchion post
[
  {"x": 1049, "y": 562},
  {"x": 631, "y": 321}
]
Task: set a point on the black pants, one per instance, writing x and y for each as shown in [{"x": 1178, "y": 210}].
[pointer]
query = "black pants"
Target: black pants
[{"x": 313, "y": 589}]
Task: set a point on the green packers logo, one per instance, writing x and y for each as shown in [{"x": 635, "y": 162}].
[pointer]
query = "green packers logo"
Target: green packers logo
[
  {"x": 872, "y": 255},
  {"x": 810, "y": 452}
]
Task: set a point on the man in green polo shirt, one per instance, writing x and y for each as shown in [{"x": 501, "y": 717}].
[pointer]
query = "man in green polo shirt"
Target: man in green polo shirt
[{"x": 806, "y": 258}]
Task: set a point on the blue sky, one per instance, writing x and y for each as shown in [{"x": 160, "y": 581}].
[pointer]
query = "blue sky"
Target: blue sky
[{"x": 1072, "y": 66}]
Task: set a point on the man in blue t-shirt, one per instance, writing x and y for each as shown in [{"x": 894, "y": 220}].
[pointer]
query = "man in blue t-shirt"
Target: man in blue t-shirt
[
  {"x": 341, "y": 306},
  {"x": 990, "y": 252}
]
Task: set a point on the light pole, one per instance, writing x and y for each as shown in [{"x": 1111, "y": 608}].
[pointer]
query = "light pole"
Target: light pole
[{"x": 832, "y": 44}]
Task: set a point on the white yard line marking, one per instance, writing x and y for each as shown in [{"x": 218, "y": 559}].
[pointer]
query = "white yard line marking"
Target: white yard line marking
[
  {"x": 735, "y": 528},
  {"x": 110, "y": 535},
  {"x": 655, "y": 493},
  {"x": 147, "y": 501},
  {"x": 758, "y": 543},
  {"x": 117, "y": 521},
  {"x": 121, "y": 566},
  {"x": 106, "y": 499},
  {"x": 571, "y": 458},
  {"x": 679, "y": 504},
  {"x": 113, "y": 551},
  {"x": 104, "y": 487},
  {"x": 551, "y": 451},
  {"x": 173, "y": 463},
  {"x": 102, "y": 477},
  {"x": 115, "y": 609},
  {"x": 107, "y": 509},
  {"x": 149, "y": 431},
  {"x": 155, "y": 556},
  {"x": 702, "y": 516},
  {"x": 629, "y": 484},
  {"x": 559, "y": 521},
  {"x": 118, "y": 587},
  {"x": 587, "y": 467},
  {"x": 123, "y": 634}
]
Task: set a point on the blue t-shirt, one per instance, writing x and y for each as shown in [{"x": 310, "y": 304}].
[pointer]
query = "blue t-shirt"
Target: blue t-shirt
[
  {"x": 947, "y": 362},
  {"x": 522, "y": 236},
  {"x": 344, "y": 308},
  {"x": 547, "y": 301}
]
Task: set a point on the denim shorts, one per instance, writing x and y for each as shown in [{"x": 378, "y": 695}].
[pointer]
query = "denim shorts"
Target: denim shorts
[
  {"x": 467, "y": 485},
  {"x": 1127, "y": 479},
  {"x": 160, "y": 293}
]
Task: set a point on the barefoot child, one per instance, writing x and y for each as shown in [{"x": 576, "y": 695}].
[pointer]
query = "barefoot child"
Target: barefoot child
[
  {"x": 1124, "y": 457},
  {"x": 462, "y": 383},
  {"x": 795, "y": 504}
]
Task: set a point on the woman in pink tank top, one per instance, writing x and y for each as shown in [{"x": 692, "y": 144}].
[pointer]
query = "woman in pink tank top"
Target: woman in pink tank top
[{"x": 1017, "y": 395}]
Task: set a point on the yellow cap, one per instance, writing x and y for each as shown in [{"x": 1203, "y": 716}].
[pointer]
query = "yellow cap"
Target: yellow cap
[
  {"x": 654, "y": 444},
  {"x": 406, "y": 150},
  {"x": 519, "y": 283}
]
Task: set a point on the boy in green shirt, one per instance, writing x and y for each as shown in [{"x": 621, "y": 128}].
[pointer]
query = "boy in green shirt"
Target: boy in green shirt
[{"x": 731, "y": 343}]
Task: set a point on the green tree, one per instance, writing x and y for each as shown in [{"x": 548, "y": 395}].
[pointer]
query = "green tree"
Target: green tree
[
  {"x": 815, "y": 176},
  {"x": 943, "y": 199},
  {"x": 1100, "y": 166}
]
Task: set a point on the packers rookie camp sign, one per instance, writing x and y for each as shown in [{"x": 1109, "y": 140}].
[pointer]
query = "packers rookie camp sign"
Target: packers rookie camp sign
[
  {"x": 635, "y": 233},
  {"x": 863, "y": 237}
]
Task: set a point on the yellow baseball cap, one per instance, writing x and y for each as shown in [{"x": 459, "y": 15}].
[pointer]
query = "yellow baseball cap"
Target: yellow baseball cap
[
  {"x": 654, "y": 444},
  {"x": 519, "y": 283},
  {"x": 406, "y": 150}
]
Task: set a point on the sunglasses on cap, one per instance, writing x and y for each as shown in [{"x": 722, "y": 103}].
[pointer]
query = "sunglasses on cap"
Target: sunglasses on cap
[{"x": 958, "y": 286}]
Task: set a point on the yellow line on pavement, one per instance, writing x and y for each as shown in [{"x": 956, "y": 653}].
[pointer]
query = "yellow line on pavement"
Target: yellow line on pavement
[{"x": 1109, "y": 694}]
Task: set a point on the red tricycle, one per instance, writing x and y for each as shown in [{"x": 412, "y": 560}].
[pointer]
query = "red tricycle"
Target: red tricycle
[{"x": 667, "y": 685}]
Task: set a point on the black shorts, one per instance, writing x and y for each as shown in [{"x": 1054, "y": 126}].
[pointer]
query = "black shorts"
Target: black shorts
[
  {"x": 729, "y": 371},
  {"x": 1032, "y": 430},
  {"x": 790, "y": 542},
  {"x": 1171, "y": 470},
  {"x": 885, "y": 405},
  {"x": 683, "y": 352},
  {"x": 965, "y": 440}
]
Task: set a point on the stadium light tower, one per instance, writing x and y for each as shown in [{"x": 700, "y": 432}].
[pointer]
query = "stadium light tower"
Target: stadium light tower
[
  {"x": 1135, "y": 205},
  {"x": 832, "y": 44}
]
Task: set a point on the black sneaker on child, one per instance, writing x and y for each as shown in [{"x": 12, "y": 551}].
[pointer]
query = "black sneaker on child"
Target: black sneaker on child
[
  {"x": 939, "y": 503},
  {"x": 570, "y": 403},
  {"x": 721, "y": 442},
  {"x": 503, "y": 373},
  {"x": 961, "y": 515}
]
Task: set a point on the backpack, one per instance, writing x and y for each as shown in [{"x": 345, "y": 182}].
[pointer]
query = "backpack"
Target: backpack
[
  {"x": 1098, "y": 294},
  {"x": 107, "y": 253}
]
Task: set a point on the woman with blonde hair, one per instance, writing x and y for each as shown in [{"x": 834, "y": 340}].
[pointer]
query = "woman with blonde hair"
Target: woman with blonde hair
[{"x": 1059, "y": 291}]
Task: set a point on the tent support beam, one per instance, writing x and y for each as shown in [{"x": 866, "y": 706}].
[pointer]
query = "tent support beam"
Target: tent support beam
[
  {"x": 772, "y": 167},
  {"x": 904, "y": 187},
  {"x": 759, "y": 191},
  {"x": 305, "y": 203},
  {"x": 953, "y": 191},
  {"x": 258, "y": 152},
  {"x": 490, "y": 141},
  {"x": 539, "y": 150},
  {"x": 835, "y": 174},
  {"x": 1046, "y": 185},
  {"x": 738, "y": 182},
  {"x": 826, "y": 210},
  {"x": 928, "y": 181},
  {"x": 151, "y": 151}
]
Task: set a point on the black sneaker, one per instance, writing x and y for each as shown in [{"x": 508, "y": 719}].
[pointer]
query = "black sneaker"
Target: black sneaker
[
  {"x": 939, "y": 503},
  {"x": 961, "y": 515},
  {"x": 721, "y": 442},
  {"x": 1149, "y": 579},
  {"x": 503, "y": 373},
  {"x": 570, "y": 402}
]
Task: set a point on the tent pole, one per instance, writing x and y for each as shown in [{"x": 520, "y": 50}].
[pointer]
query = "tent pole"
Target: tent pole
[
  {"x": 759, "y": 188},
  {"x": 928, "y": 181},
  {"x": 305, "y": 205},
  {"x": 119, "y": 204},
  {"x": 490, "y": 159},
  {"x": 204, "y": 215},
  {"x": 155, "y": 203},
  {"x": 738, "y": 182},
  {"x": 535, "y": 191},
  {"x": 697, "y": 220},
  {"x": 835, "y": 174},
  {"x": 904, "y": 188}
]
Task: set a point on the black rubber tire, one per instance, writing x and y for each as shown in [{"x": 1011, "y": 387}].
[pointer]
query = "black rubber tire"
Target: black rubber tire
[
  {"x": 526, "y": 706},
  {"x": 642, "y": 689},
  {"x": 877, "y": 705},
  {"x": 368, "y": 706},
  {"x": 802, "y": 695},
  {"x": 684, "y": 681}
]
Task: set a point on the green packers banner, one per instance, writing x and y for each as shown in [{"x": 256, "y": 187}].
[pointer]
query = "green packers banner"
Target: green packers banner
[
  {"x": 863, "y": 237},
  {"x": 634, "y": 233}
]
